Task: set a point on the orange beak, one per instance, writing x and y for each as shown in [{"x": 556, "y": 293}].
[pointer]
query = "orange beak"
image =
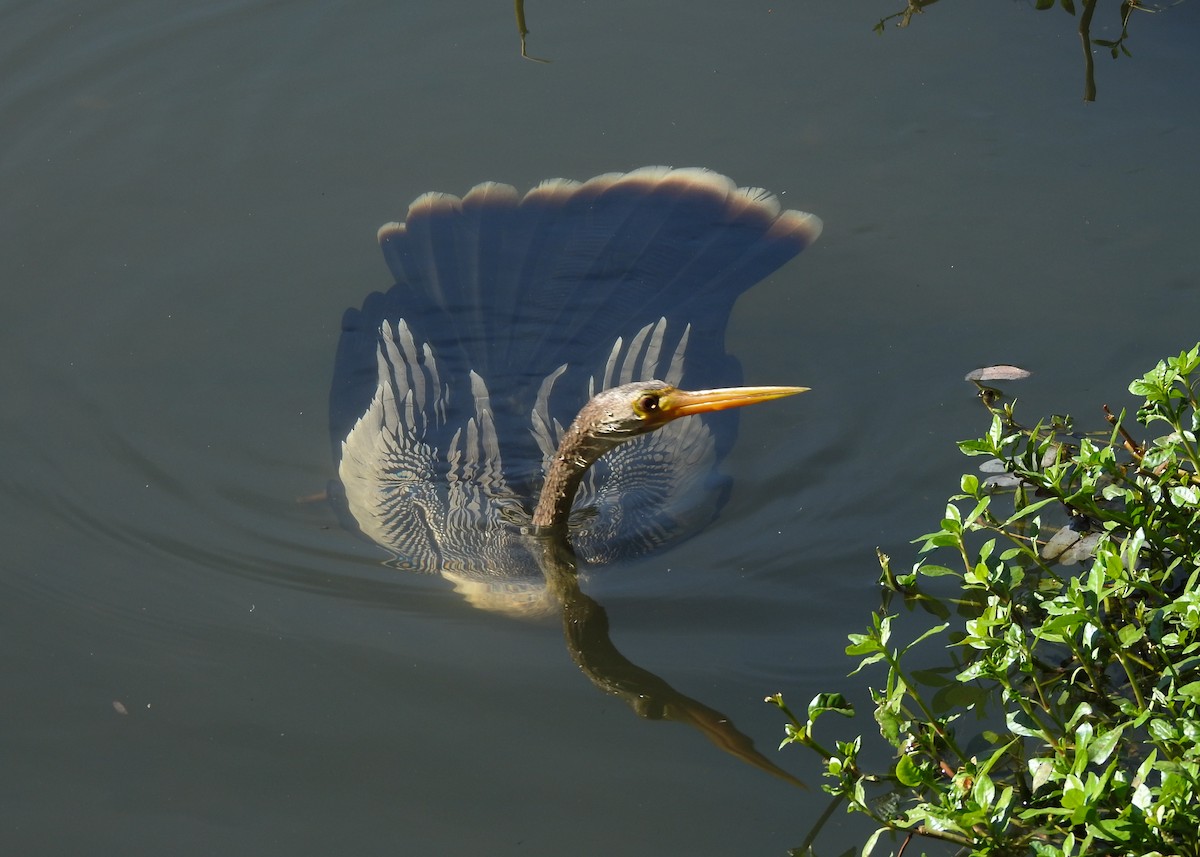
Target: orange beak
[{"x": 681, "y": 403}]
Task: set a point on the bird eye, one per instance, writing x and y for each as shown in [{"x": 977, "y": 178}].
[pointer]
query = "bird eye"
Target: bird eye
[{"x": 648, "y": 403}]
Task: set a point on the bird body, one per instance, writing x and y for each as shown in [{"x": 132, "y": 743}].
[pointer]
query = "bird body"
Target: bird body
[{"x": 509, "y": 315}]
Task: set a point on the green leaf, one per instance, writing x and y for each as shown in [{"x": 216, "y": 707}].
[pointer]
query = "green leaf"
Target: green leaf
[
  {"x": 987, "y": 766},
  {"x": 937, "y": 571},
  {"x": 1022, "y": 724},
  {"x": 972, "y": 520},
  {"x": 984, "y": 791},
  {"x": 1191, "y": 690},
  {"x": 1129, "y": 635},
  {"x": 1103, "y": 745},
  {"x": 1073, "y": 793},
  {"x": 866, "y": 662},
  {"x": 862, "y": 644},
  {"x": 869, "y": 846},
  {"x": 1081, "y": 711},
  {"x": 976, "y": 447},
  {"x": 834, "y": 702},
  {"x": 936, "y": 629},
  {"x": 883, "y": 625},
  {"x": 1185, "y": 495},
  {"x": 1163, "y": 731},
  {"x": 907, "y": 772},
  {"x": 1027, "y": 510},
  {"x": 891, "y": 725}
]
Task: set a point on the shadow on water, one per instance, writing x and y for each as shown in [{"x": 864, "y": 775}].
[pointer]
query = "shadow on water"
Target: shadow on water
[{"x": 452, "y": 390}]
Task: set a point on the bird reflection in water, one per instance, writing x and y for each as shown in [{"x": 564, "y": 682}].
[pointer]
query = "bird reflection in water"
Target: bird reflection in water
[{"x": 603, "y": 301}]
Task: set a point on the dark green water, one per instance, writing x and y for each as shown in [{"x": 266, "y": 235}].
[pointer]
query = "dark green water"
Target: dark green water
[{"x": 190, "y": 194}]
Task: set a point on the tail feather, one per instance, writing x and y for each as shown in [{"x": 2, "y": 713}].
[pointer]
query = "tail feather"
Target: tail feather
[
  {"x": 536, "y": 282},
  {"x": 513, "y": 287}
]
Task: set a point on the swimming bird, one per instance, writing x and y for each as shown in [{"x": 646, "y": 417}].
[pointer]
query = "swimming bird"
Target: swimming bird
[{"x": 604, "y": 299}]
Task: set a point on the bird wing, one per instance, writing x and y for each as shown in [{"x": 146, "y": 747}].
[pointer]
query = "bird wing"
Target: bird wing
[{"x": 433, "y": 507}]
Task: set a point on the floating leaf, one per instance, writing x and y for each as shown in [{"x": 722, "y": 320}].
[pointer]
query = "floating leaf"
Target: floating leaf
[
  {"x": 999, "y": 372},
  {"x": 1070, "y": 545},
  {"x": 1002, "y": 480},
  {"x": 1041, "y": 770}
]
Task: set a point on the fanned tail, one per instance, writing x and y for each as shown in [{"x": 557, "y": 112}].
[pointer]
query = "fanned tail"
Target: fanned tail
[{"x": 513, "y": 287}]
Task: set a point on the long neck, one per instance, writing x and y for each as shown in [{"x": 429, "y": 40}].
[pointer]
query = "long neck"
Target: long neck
[{"x": 578, "y": 451}]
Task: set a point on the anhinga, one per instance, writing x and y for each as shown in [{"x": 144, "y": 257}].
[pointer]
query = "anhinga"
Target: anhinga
[
  {"x": 508, "y": 315},
  {"x": 511, "y": 313}
]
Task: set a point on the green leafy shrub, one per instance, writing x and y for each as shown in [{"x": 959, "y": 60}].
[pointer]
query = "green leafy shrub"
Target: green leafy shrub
[{"x": 1063, "y": 715}]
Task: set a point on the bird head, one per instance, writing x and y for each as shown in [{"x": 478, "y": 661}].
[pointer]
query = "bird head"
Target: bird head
[
  {"x": 619, "y": 414},
  {"x": 624, "y": 412}
]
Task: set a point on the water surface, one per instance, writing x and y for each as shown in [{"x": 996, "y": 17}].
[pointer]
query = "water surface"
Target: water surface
[{"x": 190, "y": 200}]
